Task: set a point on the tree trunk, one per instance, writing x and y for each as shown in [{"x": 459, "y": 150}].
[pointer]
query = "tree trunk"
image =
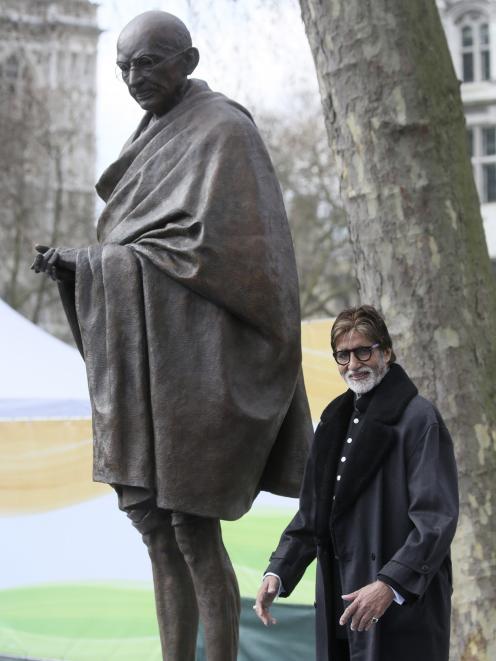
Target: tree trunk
[{"x": 395, "y": 123}]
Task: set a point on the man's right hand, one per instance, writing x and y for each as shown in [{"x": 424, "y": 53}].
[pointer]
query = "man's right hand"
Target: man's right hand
[
  {"x": 58, "y": 263},
  {"x": 266, "y": 595}
]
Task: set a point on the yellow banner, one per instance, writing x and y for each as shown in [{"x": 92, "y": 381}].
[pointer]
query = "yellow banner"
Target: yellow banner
[{"x": 47, "y": 464}]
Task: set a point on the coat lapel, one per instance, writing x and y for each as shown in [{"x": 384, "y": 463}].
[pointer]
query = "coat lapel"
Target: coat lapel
[
  {"x": 327, "y": 450},
  {"x": 370, "y": 447}
]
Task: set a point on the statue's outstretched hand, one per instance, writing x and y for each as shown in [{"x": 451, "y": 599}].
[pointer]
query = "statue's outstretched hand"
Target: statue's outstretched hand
[
  {"x": 57, "y": 263},
  {"x": 267, "y": 593}
]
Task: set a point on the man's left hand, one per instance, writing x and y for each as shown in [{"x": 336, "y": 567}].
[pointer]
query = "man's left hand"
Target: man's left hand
[{"x": 368, "y": 603}]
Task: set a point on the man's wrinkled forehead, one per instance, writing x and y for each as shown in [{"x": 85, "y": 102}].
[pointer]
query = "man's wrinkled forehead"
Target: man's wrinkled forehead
[{"x": 351, "y": 339}]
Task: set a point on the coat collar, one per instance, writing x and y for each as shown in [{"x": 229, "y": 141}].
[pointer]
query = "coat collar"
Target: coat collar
[
  {"x": 387, "y": 401},
  {"x": 376, "y": 438}
]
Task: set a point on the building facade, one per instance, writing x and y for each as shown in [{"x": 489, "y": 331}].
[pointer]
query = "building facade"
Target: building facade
[
  {"x": 470, "y": 27},
  {"x": 48, "y": 52}
]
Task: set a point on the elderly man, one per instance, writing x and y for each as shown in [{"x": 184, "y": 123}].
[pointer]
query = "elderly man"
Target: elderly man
[
  {"x": 378, "y": 508},
  {"x": 186, "y": 313}
]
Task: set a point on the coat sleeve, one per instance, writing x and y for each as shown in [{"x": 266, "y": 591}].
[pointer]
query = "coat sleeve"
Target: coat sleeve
[
  {"x": 297, "y": 546},
  {"x": 433, "y": 512}
]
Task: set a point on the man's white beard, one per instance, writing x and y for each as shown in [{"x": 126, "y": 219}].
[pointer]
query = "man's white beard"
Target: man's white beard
[{"x": 375, "y": 376}]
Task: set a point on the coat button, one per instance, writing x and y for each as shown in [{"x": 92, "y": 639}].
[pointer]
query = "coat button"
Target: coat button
[
  {"x": 425, "y": 567},
  {"x": 355, "y": 421}
]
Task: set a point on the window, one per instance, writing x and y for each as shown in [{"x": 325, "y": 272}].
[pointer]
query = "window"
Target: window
[
  {"x": 12, "y": 68},
  {"x": 468, "y": 53},
  {"x": 470, "y": 142},
  {"x": 481, "y": 143},
  {"x": 9, "y": 74},
  {"x": 485, "y": 52},
  {"x": 475, "y": 47}
]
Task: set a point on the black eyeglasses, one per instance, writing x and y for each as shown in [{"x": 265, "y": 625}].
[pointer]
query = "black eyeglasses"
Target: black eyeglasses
[
  {"x": 361, "y": 353},
  {"x": 143, "y": 65}
]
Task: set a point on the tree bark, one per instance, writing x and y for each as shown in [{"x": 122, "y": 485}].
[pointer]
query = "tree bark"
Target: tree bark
[{"x": 395, "y": 123}]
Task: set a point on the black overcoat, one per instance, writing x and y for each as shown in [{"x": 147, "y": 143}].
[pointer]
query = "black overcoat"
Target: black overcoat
[{"x": 394, "y": 515}]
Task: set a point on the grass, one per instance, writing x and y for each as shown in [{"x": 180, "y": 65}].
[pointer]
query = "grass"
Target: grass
[
  {"x": 79, "y": 622},
  {"x": 250, "y": 542}
]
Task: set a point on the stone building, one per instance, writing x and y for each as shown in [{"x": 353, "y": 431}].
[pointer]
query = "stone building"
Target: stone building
[
  {"x": 470, "y": 27},
  {"x": 48, "y": 54}
]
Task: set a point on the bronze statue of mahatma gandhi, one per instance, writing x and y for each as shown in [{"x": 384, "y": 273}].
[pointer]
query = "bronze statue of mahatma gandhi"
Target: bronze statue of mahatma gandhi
[{"x": 186, "y": 313}]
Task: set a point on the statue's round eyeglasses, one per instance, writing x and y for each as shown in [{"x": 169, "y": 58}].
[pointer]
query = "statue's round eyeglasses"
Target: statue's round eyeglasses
[
  {"x": 142, "y": 65},
  {"x": 361, "y": 353}
]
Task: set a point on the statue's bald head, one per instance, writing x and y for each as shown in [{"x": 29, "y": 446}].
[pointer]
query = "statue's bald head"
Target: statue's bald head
[
  {"x": 159, "y": 27},
  {"x": 155, "y": 55}
]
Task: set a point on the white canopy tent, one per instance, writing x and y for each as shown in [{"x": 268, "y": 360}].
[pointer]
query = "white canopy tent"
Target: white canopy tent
[{"x": 40, "y": 376}]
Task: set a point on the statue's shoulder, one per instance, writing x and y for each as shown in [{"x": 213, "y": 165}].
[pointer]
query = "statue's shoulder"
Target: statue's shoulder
[{"x": 218, "y": 110}]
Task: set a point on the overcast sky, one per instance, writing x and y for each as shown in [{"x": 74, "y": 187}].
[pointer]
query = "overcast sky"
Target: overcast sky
[{"x": 255, "y": 52}]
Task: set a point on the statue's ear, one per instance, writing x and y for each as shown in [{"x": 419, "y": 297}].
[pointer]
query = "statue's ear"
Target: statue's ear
[{"x": 191, "y": 59}]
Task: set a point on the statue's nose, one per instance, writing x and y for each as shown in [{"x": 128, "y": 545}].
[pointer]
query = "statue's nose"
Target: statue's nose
[{"x": 135, "y": 76}]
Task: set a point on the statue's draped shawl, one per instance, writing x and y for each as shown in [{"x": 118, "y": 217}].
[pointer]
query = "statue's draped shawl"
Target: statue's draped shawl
[{"x": 187, "y": 316}]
